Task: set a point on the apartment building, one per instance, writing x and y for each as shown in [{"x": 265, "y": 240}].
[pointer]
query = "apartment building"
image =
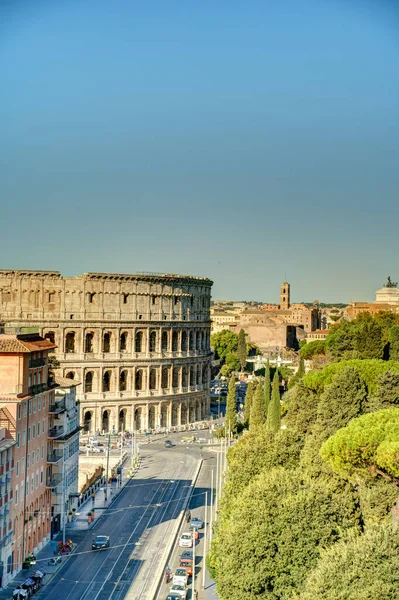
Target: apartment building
[
  {"x": 7, "y": 444},
  {"x": 26, "y": 393}
]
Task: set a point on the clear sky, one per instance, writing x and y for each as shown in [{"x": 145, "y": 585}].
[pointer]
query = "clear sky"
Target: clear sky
[{"x": 243, "y": 140}]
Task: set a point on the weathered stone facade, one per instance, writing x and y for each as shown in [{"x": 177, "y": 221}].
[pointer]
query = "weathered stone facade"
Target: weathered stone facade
[{"x": 140, "y": 344}]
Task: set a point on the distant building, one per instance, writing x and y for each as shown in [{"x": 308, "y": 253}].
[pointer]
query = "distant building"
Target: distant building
[
  {"x": 386, "y": 299},
  {"x": 318, "y": 334}
]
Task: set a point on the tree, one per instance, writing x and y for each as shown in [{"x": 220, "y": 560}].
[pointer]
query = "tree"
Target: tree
[
  {"x": 301, "y": 408},
  {"x": 224, "y": 342},
  {"x": 231, "y": 412},
  {"x": 363, "y": 568},
  {"x": 274, "y": 413},
  {"x": 387, "y": 392},
  {"x": 394, "y": 343},
  {"x": 267, "y": 387},
  {"x": 275, "y": 533},
  {"x": 242, "y": 349},
  {"x": 248, "y": 401},
  {"x": 258, "y": 416},
  {"x": 315, "y": 348},
  {"x": 368, "y": 446},
  {"x": 231, "y": 364}
]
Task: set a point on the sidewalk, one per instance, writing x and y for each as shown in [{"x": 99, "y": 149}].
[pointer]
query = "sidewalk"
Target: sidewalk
[{"x": 74, "y": 531}]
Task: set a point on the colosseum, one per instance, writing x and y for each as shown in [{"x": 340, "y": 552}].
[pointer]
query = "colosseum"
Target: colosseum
[{"x": 139, "y": 344}]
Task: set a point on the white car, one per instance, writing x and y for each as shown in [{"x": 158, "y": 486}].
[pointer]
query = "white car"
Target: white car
[
  {"x": 179, "y": 589},
  {"x": 180, "y": 576},
  {"x": 186, "y": 540}
]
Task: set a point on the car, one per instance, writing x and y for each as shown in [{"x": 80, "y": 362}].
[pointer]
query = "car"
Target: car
[
  {"x": 173, "y": 596},
  {"x": 194, "y": 532},
  {"x": 100, "y": 542},
  {"x": 180, "y": 576},
  {"x": 187, "y": 554},
  {"x": 168, "y": 444},
  {"x": 179, "y": 589},
  {"x": 187, "y": 563},
  {"x": 186, "y": 540},
  {"x": 197, "y": 522}
]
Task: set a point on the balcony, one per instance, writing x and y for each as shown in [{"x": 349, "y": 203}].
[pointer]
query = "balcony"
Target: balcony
[
  {"x": 37, "y": 389},
  {"x": 37, "y": 362},
  {"x": 55, "y": 456},
  {"x": 55, "y": 432},
  {"x": 54, "y": 480},
  {"x": 57, "y": 407}
]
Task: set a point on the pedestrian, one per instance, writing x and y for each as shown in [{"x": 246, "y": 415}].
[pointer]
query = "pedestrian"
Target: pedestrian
[{"x": 93, "y": 497}]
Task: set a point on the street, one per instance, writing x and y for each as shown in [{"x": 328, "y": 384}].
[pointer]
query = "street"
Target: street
[{"x": 140, "y": 523}]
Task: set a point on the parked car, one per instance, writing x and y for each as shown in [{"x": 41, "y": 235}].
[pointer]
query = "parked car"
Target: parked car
[
  {"x": 179, "y": 589},
  {"x": 168, "y": 444},
  {"x": 180, "y": 576},
  {"x": 197, "y": 522},
  {"x": 194, "y": 532},
  {"x": 186, "y": 540},
  {"x": 100, "y": 542}
]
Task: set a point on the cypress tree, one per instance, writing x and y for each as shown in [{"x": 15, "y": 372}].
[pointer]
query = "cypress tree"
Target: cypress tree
[
  {"x": 267, "y": 387},
  {"x": 249, "y": 396},
  {"x": 242, "y": 349},
  {"x": 301, "y": 368},
  {"x": 231, "y": 413},
  {"x": 258, "y": 416},
  {"x": 274, "y": 415}
]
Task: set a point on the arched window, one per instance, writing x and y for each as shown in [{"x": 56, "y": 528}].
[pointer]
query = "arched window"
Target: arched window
[
  {"x": 89, "y": 382},
  {"x": 70, "y": 342},
  {"x": 138, "y": 342},
  {"x": 199, "y": 335},
  {"x": 105, "y": 420},
  {"x": 184, "y": 377},
  {"x": 192, "y": 375},
  {"x": 123, "y": 381},
  {"x": 192, "y": 341},
  {"x": 175, "y": 377},
  {"x": 70, "y": 375},
  {"x": 165, "y": 378},
  {"x": 107, "y": 381},
  {"x": 50, "y": 335},
  {"x": 89, "y": 342},
  {"x": 198, "y": 375},
  {"x": 123, "y": 341},
  {"x": 175, "y": 341},
  {"x": 204, "y": 375},
  {"x": 164, "y": 341},
  {"x": 153, "y": 379},
  {"x": 184, "y": 341},
  {"x": 138, "y": 382},
  {"x": 87, "y": 420},
  {"x": 107, "y": 342},
  {"x": 153, "y": 341}
]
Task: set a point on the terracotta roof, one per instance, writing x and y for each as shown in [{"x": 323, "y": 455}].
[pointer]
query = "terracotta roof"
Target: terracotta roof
[
  {"x": 66, "y": 382},
  {"x": 14, "y": 344}
]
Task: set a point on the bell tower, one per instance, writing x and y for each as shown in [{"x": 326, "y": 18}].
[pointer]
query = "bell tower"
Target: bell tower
[{"x": 285, "y": 296}]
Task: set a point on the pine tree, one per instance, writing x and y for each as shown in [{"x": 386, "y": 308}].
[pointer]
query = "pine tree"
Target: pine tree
[
  {"x": 301, "y": 368},
  {"x": 267, "y": 387},
  {"x": 249, "y": 396},
  {"x": 242, "y": 349},
  {"x": 274, "y": 416},
  {"x": 231, "y": 413},
  {"x": 258, "y": 416}
]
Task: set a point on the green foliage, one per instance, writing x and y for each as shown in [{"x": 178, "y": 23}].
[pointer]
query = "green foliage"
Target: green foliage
[
  {"x": 282, "y": 521},
  {"x": 224, "y": 342},
  {"x": 301, "y": 408},
  {"x": 376, "y": 499},
  {"x": 300, "y": 372},
  {"x": 231, "y": 364},
  {"x": 231, "y": 412},
  {"x": 242, "y": 349},
  {"x": 266, "y": 389},
  {"x": 362, "y": 568},
  {"x": 312, "y": 349},
  {"x": 248, "y": 401},
  {"x": 368, "y": 446},
  {"x": 387, "y": 392},
  {"x": 258, "y": 415},
  {"x": 394, "y": 343},
  {"x": 274, "y": 412}
]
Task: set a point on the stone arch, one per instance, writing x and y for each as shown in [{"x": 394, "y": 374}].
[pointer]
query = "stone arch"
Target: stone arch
[
  {"x": 204, "y": 374},
  {"x": 198, "y": 412},
  {"x": 70, "y": 340},
  {"x": 139, "y": 380},
  {"x": 107, "y": 379},
  {"x": 175, "y": 377},
  {"x": 198, "y": 378},
  {"x": 105, "y": 419},
  {"x": 164, "y": 416},
  {"x": 89, "y": 342},
  {"x": 153, "y": 379},
  {"x": 138, "y": 341},
  {"x": 192, "y": 341},
  {"x": 122, "y": 419},
  {"x": 123, "y": 341},
  {"x": 183, "y": 414},
  {"x": 199, "y": 340},
  {"x": 151, "y": 416},
  {"x": 191, "y": 412},
  {"x": 87, "y": 420},
  {"x": 50, "y": 335},
  {"x": 107, "y": 337},
  {"x": 123, "y": 381},
  {"x": 175, "y": 415},
  {"x": 175, "y": 341},
  {"x": 153, "y": 341},
  {"x": 165, "y": 378},
  {"x": 192, "y": 375},
  {"x": 164, "y": 341},
  {"x": 138, "y": 413},
  {"x": 184, "y": 341},
  {"x": 184, "y": 376},
  {"x": 89, "y": 381},
  {"x": 70, "y": 375}
]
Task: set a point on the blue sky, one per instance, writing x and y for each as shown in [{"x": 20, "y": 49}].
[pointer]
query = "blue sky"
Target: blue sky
[{"x": 241, "y": 140}]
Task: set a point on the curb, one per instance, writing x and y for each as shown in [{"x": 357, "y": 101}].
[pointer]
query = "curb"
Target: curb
[
  {"x": 50, "y": 577},
  {"x": 169, "y": 549}
]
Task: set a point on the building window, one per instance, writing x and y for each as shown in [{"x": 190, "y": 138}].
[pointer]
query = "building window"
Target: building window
[
  {"x": 39, "y": 402},
  {"x": 89, "y": 382},
  {"x": 42, "y": 451},
  {"x": 70, "y": 375},
  {"x": 123, "y": 381},
  {"x": 34, "y": 431},
  {"x": 50, "y": 336},
  {"x": 24, "y": 437},
  {"x": 153, "y": 300},
  {"x": 107, "y": 381},
  {"x": 175, "y": 341},
  {"x": 125, "y": 298},
  {"x": 139, "y": 379},
  {"x": 123, "y": 341},
  {"x": 18, "y": 440},
  {"x": 153, "y": 379},
  {"x": 33, "y": 458},
  {"x": 28, "y": 461},
  {"x": 164, "y": 342},
  {"x": 138, "y": 342},
  {"x": 23, "y": 465},
  {"x": 34, "y": 402},
  {"x": 70, "y": 342},
  {"x": 17, "y": 468},
  {"x": 165, "y": 378},
  {"x": 91, "y": 297},
  {"x": 16, "y": 495},
  {"x": 41, "y": 475},
  {"x": 38, "y": 428},
  {"x": 43, "y": 426},
  {"x": 153, "y": 341},
  {"x": 89, "y": 342},
  {"x": 19, "y": 410},
  {"x": 107, "y": 342}
]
